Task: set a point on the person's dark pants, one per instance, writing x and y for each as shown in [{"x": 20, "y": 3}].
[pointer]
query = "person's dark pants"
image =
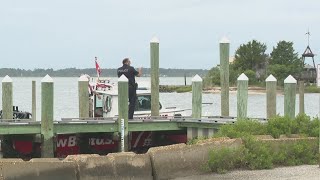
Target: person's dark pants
[{"x": 132, "y": 101}]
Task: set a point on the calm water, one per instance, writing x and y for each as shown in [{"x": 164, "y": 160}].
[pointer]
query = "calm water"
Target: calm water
[{"x": 66, "y": 100}]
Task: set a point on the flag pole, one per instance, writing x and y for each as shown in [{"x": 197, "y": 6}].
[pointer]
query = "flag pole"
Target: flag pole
[{"x": 96, "y": 63}]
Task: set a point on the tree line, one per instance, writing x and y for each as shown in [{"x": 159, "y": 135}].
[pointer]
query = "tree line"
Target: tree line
[
  {"x": 251, "y": 58},
  {"x": 74, "y": 72}
]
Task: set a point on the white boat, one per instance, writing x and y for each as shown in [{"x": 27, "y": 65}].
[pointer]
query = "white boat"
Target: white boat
[{"x": 104, "y": 102}]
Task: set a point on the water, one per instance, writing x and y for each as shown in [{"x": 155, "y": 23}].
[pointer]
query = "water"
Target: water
[{"x": 66, "y": 98}]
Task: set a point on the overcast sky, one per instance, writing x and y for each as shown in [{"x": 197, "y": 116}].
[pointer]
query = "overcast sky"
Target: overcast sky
[{"x": 70, "y": 33}]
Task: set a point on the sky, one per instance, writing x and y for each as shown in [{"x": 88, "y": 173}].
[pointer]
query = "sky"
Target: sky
[{"x": 69, "y": 34}]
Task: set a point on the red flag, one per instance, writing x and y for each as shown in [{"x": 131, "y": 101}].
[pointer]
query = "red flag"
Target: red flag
[{"x": 97, "y": 67}]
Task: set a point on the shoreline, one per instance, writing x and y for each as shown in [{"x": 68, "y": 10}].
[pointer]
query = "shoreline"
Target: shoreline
[{"x": 233, "y": 90}]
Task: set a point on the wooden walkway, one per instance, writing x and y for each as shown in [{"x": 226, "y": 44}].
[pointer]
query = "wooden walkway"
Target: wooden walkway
[{"x": 108, "y": 125}]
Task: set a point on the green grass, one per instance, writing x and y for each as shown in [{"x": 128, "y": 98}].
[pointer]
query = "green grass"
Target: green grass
[
  {"x": 178, "y": 89},
  {"x": 312, "y": 89}
]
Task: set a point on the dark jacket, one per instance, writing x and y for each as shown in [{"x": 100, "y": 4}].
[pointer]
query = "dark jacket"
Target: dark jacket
[{"x": 129, "y": 72}]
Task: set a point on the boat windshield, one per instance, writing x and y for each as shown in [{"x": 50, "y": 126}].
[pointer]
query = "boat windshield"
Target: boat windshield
[{"x": 143, "y": 103}]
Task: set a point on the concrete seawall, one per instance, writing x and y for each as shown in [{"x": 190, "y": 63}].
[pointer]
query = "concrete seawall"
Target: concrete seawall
[{"x": 165, "y": 162}]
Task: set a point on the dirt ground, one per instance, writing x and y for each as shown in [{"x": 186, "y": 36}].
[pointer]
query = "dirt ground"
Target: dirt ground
[{"x": 305, "y": 172}]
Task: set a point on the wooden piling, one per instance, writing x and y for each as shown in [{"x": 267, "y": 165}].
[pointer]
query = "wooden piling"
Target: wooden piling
[
  {"x": 47, "y": 117},
  {"x": 290, "y": 97},
  {"x": 7, "y": 98},
  {"x": 224, "y": 75},
  {"x": 242, "y": 96},
  {"x": 83, "y": 94},
  {"x": 123, "y": 108},
  {"x": 154, "y": 61},
  {"x": 34, "y": 101},
  {"x": 271, "y": 86},
  {"x": 197, "y": 101},
  {"x": 196, "y": 96},
  {"x": 301, "y": 97}
]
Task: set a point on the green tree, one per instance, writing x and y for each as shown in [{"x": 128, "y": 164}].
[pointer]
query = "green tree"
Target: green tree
[
  {"x": 212, "y": 78},
  {"x": 251, "y": 56},
  {"x": 284, "y": 61}
]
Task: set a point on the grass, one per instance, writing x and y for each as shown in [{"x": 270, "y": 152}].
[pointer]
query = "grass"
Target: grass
[
  {"x": 312, "y": 89},
  {"x": 178, "y": 89}
]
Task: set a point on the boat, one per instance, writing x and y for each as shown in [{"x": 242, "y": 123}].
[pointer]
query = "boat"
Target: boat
[
  {"x": 104, "y": 102},
  {"x": 17, "y": 114}
]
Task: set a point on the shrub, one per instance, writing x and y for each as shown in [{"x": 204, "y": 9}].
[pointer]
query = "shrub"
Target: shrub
[
  {"x": 279, "y": 125},
  {"x": 314, "y": 128},
  {"x": 243, "y": 128},
  {"x": 224, "y": 159},
  {"x": 259, "y": 154},
  {"x": 297, "y": 153},
  {"x": 301, "y": 124},
  {"x": 303, "y": 152}
]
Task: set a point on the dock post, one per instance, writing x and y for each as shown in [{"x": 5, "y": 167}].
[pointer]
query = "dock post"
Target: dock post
[
  {"x": 290, "y": 97},
  {"x": 34, "y": 101},
  {"x": 154, "y": 62},
  {"x": 224, "y": 75},
  {"x": 242, "y": 96},
  {"x": 301, "y": 97},
  {"x": 7, "y": 98},
  {"x": 47, "y": 117},
  {"x": 123, "y": 109},
  {"x": 197, "y": 100},
  {"x": 83, "y": 97},
  {"x": 271, "y": 87},
  {"x": 196, "y": 96}
]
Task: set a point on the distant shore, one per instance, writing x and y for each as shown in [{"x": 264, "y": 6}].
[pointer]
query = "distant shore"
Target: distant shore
[
  {"x": 251, "y": 90},
  {"x": 217, "y": 90}
]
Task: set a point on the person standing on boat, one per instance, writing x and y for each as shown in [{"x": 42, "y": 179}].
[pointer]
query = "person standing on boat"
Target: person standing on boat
[{"x": 130, "y": 73}]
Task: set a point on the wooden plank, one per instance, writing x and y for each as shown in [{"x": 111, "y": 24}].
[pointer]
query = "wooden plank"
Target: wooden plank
[
  {"x": 71, "y": 128},
  {"x": 20, "y": 129},
  {"x": 196, "y": 96},
  {"x": 271, "y": 86},
  {"x": 224, "y": 76},
  {"x": 155, "y": 126},
  {"x": 290, "y": 97},
  {"x": 7, "y": 98},
  {"x": 34, "y": 101},
  {"x": 301, "y": 97},
  {"x": 123, "y": 108},
  {"x": 47, "y": 117},
  {"x": 154, "y": 62},
  {"x": 199, "y": 125},
  {"x": 83, "y": 96},
  {"x": 242, "y": 96}
]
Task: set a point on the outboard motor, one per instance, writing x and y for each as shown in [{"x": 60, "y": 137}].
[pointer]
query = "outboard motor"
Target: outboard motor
[{"x": 18, "y": 114}]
